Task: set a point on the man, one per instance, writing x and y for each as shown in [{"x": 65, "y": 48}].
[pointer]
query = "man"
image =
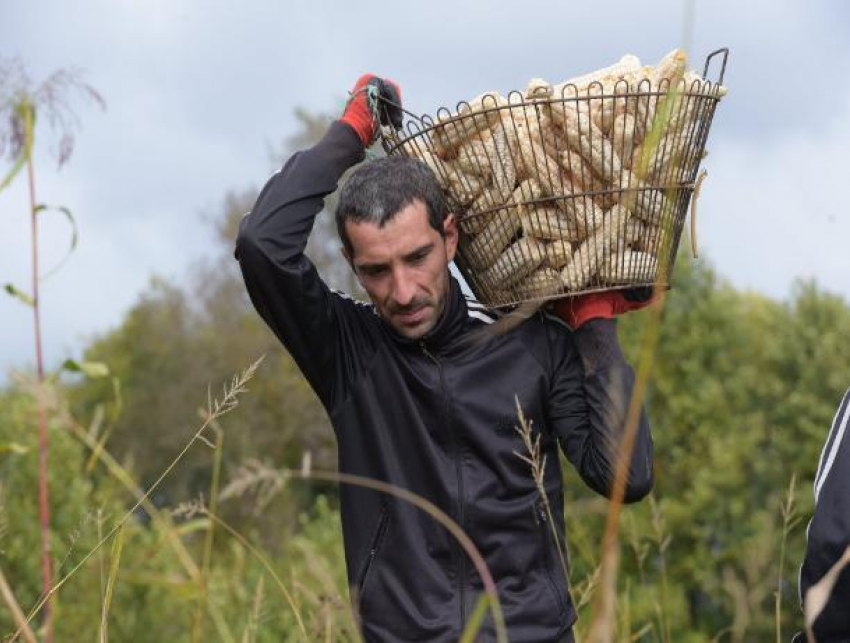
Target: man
[
  {"x": 828, "y": 535},
  {"x": 420, "y": 398}
]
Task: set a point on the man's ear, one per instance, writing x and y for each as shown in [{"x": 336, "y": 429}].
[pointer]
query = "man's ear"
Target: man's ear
[{"x": 450, "y": 234}]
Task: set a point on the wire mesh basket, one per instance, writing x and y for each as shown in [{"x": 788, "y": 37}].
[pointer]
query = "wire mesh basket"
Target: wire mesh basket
[{"x": 572, "y": 188}]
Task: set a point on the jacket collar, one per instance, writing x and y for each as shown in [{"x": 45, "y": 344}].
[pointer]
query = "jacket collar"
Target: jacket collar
[{"x": 449, "y": 328}]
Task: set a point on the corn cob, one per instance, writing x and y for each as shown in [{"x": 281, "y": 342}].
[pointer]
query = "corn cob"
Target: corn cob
[
  {"x": 528, "y": 190},
  {"x": 464, "y": 188},
  {"x": 489, "y": 243},
  {"x": 473, "y": 118},
  {"x": 628, "y": 64},
  {"x": 580, "y": 174},
  {"x": 538, "y": 88},
  {"x": 543, "y": 282},
  {"x": 650, "y": 239},
  {"x": 490, "y": 197},
  {"x": 633, "y": 230},
  {"x": 548, "y": 223},
  {"x": 535, "y": 161},
  {"x": 667, "y": 159},
  {"x": 650, "y": 205},
  {"x": 628, "y": 267},
  {"x": 594, "y": 251},
  {"x": 587, "y": 215},
  {"x": 585, "y": 138},
  {"x": 671, "y": 68},
  {"x": 434, "y": 162},
  {"x": 622, "y": 138},
  {"x": 604, "y": 110},
  {"x": 502, "y": 164},
  {"x": 517, "y": 262},
  {"x": 643, "y": 106},
  {"x": 473, "y": 156},
  {"x": 665, "y": 77},
  {"x": 558, "y": 254}
]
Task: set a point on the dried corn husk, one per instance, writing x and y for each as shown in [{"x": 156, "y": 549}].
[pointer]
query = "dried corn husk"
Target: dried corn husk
[
  {"x": 517, "y": 262},
  {"x": 558, "y": 254},
  {"x": 544, "y": 282},
  {"x": 594, "y": 251},
  {"x": 629, "y": 266},
  {"x": 489, "y": 243},
  {"x": 548, "y": 222}
]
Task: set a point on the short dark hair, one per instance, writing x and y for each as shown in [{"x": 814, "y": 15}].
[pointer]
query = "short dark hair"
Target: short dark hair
[{"x": 378, "y": 190}]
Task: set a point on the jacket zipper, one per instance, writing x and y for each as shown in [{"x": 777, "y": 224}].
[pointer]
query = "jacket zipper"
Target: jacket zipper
[
  {"x": 374, "y": 546},
  {"x": 458, "y": 471},
  {"x": 543, "y": 523}
]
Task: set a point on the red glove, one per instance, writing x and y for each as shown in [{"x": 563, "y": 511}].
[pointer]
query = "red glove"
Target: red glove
[
  {"x": 372, "y": 100},
  {"x": 577, "y": 310}
]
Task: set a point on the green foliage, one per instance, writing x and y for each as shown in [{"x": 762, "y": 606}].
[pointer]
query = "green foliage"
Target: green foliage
[
  {"x": 82, "y": 506},
  {"x": 741, "y": 398}
]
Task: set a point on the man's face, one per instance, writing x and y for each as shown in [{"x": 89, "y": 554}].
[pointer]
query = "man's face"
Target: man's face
[{"x": 403, "y": 266}]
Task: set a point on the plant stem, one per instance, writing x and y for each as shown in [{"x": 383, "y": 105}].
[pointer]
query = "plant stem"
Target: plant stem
[
  {"x": 43, "y": 490},
  {"x": 15, "y": 608},
  {"x": 208, "y": 540},
  {"x": 787, "y": 524}
]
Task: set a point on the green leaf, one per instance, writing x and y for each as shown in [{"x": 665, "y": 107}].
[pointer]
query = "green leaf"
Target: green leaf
[
  {"x": 93, "y": 370},
  {"x": 74, "y": 234},
  {"x": 13, "y": 447},
  {"x": 24, "y": 297},
  {"x": 114, "y": 562},
  {"x": 16, "y": 168},
  {"x": 191, "y": 526},
  {"x": 25, "y": 111}
]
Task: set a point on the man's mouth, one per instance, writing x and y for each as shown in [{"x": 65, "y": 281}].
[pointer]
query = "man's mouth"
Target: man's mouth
[{"x": 412, "y": 317}]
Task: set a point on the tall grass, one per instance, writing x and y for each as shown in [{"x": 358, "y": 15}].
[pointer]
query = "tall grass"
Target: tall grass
[
  {"x": 216, "y": 408},
  {"x": 21, "y": 101}
]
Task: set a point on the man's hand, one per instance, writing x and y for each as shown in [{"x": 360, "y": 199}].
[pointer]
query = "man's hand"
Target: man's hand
[
  {"x": 575, "y": 311},
  {"x": 373, "y": 100}
]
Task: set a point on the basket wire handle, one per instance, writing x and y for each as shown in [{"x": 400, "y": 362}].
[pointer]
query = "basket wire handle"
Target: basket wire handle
[
  {"x": 723, "y": 51},
  {"x": 697, "y": 187},
  {"x": 377, "y": 98}
]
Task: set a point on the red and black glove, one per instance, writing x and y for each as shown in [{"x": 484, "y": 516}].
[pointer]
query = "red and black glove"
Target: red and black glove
[
  {"x": 575, "y": 311},
  {"x": 373, "y": 100}
]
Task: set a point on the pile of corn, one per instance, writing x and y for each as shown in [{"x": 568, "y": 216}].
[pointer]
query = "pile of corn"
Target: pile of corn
[{"x": 565, "y": 188}]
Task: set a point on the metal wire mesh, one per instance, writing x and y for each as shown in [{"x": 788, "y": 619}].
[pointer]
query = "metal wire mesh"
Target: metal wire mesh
[{"x": 568, "y": 189}]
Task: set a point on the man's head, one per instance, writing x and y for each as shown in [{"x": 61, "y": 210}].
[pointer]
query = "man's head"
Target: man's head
[{"x": 399, "y": 239}]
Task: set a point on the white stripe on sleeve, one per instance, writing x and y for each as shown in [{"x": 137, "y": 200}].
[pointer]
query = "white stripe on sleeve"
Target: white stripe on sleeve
[{"x": 839, "y": 425}]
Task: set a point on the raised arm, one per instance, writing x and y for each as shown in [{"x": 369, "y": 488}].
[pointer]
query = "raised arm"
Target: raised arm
[{"x": 323, "y": 331}]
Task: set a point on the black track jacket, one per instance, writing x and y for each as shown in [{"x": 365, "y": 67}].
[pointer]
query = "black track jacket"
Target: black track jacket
[
  {"x": 828, "y": 534},
  {"x": 437, "y": 417}
]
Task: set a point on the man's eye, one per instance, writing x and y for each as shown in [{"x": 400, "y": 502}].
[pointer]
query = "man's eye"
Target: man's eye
[
  {"x": 418, "y": 258},
  {"x": 373, "y": 271}
]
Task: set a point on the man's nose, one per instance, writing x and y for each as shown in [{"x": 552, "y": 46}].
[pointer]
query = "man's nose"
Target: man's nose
[{"x": 404, "y": 287}]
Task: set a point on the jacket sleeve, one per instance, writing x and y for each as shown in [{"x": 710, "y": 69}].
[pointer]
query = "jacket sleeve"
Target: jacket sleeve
[
  {"x": 592, "y": 389},
  {"x": 325, "y": 333},
  {"x": 828, "y": 535}
]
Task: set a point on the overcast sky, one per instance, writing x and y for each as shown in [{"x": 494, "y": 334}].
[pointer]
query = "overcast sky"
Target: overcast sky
[{"x": 198, "y": 91}]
